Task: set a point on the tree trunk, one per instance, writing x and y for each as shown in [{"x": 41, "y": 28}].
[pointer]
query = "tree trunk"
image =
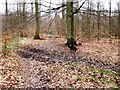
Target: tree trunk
[
  {"x": 24, "y": 15},
  {"x": 5, "y": 33},
  {"x": 37, "y": 20},
  {"x": 32, "y": 7},
  {"x": 6, "y": 16},
  {"x": 63, "y": 11},
  {"x": 20, "y": 6},
  {"x": 98, "y": 20},
  {"x": 109, "y": 20},
  {"x": 88, "y": 21},
  {"x": 76, "y": 28},
  {"x": 118, "y": 20},
  {"x": 63, "y": 25},
  {"x": 70, "y": 25}
]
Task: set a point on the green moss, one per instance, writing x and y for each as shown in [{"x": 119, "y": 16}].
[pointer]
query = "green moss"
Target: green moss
[
  {"x": 15, "y": 43},
  {"x": 90, "y": 79},
  {"x": 87, "y": 70},
  {"x": 107, "y": 72},
  {"x": 79, "y": 78},
  {"x": 69, "y": 62}
]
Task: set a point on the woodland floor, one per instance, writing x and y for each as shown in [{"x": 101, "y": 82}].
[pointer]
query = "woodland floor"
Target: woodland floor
[{"x": 49, "y": 63}]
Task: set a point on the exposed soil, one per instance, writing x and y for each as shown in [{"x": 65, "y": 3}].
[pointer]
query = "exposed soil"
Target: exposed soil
[{"x": 46, "y": 64}]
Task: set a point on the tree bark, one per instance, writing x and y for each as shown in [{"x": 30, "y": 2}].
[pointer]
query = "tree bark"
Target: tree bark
[
  {"x": 118, "y": 20},
  {"x": 24, "y": 15},
  {"x": 88, "y": 21},
  {"x": 6, "y": 16},
  {"x": 70, "y": 25},
  {"x": 109, "y": 20},
  {"x": 37, "y": 20},
  {"x": 98, "y": 20},
  {"x": 76, "y": 18},
  {"x": 32, "y": 7},
  {"x": 63, "y": 11}
]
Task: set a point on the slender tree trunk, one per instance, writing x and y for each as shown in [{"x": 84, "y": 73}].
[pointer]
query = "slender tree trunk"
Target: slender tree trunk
[
  {"x": 24, "y": 19},
  {"x": 118, "y": 20},
  {"x": 77, "y": 18},
  {"x": 49, "y": 16},
  {"x": 70, "y": 25},
  {"x": 5, "y": 32},
  {"x": 6, "y": 16},
  {"x": 24, "y": 14},
  {"x": 88, "y": 20},
  {"x": 98, "y": 20},
  {"x": 82, "y": 23},
  {"x": 109, "y": 20},
  {"x": 32, "y": 13},
  {"x": 63, "y": 11},
  {"x": 63, "y": 20},
  {"x": 32, "y": 7},
  {"x": 37, "y": 16},
  {"x": 93, "y": 26},
  {"x": 119, "y": 32},
  {"x": 18, "y": 14},
  {"x": 104, "y": 29},
  {"x": 50, "y": 9}
]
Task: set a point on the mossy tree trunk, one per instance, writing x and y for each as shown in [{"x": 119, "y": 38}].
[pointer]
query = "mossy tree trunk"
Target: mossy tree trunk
[
  {"x": 70, "y": 25},
  {"x": 37, "y": 16}
]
